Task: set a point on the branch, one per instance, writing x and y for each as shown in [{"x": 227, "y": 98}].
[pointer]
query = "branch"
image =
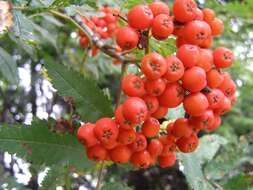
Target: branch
[{"x": 94, "y": 38}]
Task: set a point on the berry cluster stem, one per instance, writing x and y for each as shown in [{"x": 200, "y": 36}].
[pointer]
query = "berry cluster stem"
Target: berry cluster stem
[{"x": 100, "y": 175}]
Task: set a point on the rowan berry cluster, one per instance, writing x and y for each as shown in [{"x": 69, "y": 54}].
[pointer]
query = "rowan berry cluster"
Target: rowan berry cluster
[
  {"x": 192, "y": 78},
  {"x": 104, "y": 26}
]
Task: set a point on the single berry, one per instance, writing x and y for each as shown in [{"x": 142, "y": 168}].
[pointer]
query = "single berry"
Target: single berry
[
  {"x": 214, "y": 78},
  {"x": 194, "y": 79},
  {"x": 205, "y": 59},
  {"x": 175, "y": 69},
  {"x": 132, "y": 85},
  {"x": 155, "y": 87},
  {"x": 139, "y": 144},
  {"x": 167, "y": 161},
  {"x": 196, "y": 104},
  {"x": 172, "y": 96},
  {"x": 140, "y": 17},
  {"x": 196, "y": 32},
  {"x": 120, "y": 119},
  {"x": 141, "y": 159},
  {"x": 189, "y": 55},
  {"x": 106, "y": 130},
  {"x": 151, "y": 102},
  {"x": 217, "y": 27},
  {"x": 188, "y": 144},
  {"x": 154, "y": 66},
  {"x": 181, "y": 128},
  {"x": 120, "y": 154},
  {"x": 155, "y": 148},
  {"x": 158, "y": 8},
  {"x": 162, "y": 27},
  {"x": 150, "y": 127},
  {"x": 223, "y": 57},
  {"x": 97, "y": 153},
  {"x": 86, "y": 136},
  {"x": 184, "y": 10},
  {"x": 215, "y": 98},
  {"x": 127, "y": 38},
  {"x": 135, "y": 110},
  {"x": 126, "y": 136}
]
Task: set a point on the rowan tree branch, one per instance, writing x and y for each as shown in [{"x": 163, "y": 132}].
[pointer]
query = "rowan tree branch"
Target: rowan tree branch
[{"x": 100, "y": 44}]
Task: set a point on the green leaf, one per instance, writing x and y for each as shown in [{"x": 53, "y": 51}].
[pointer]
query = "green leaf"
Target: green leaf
[
  {"x": 23, "y": 27},
  {"x": 240, "y": 182},
  {"x": 115, "y": 186},
  {"x": 38, "y": 144},
  {"x": 54, "y": 178},
  {"x": 8, "y": 67},
  {"x": 90, "y": 101},
  {"x": 192, "y": 163},
  {"x": 165, "y": 48},
  {"x": 131, "y": 3}
]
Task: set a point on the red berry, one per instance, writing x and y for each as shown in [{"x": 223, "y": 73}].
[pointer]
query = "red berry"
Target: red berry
[
  {"x": 139, "y": 144},
  {"x": 110, "y": 145},
  {"x": 209, "y": 15},
  {"x": 204, "y": 121},
  {"x": 141, "y": 159},
  {"x": 181, "y": 128},
  {"x": 184, "y": 10},
  {"x": 189, "y": 55},
  {"x": 207, "y": 43},
  {"x": 140, "y": 17},
  {"x": 154, "y": 66},
  {"x": 217, "y": 27},
  {"x": 126, "y": 136},
  {"x": 194, "y": 79},
  {"x": 215, "y": 98},
  {"x": 228, "y": 87},
  {"x": 86, "y": 136},
  {"x": 135, "y": 110},
  {"x": 205, "y": 59},
  {"x": 160, "y": 112},
  {"x": 199, "y": 14},
  {"x": 97, "y": 153},
  {"x": 155, "y": 148},
  {"x": 175, "y": 69},
  {"x": 132, "y": 85},
  {"x": 127, "y": 38},
  {"x": 225, "y": 107},
  {"x": 162, "y": 27},
  {"x": 216, "y": 123},
  {"x": 169, "y": 128},
  {"x": 84, "y": 41},
  {"x": 150, "y": 127},
  {"x": 158, "y": 8},
  {"x": 172, "y": 96},
  {"x": 168, "y": 144},
  {"x": 167, "y": 161},
  {"x": 120, "y": 119},
  {"x": 106, "y": 130},
  {"x": 196, "y": 104},
  {"x": 155, "y": 87},
  {"x": 152, "y": 103},
  {"x": 120, "y": 154},
  {"x": 214, "y": 78},
  {"x": 196, "y": 32},
  {"x": 223, "y": 57},
  {"x": 188, "y": 144}
]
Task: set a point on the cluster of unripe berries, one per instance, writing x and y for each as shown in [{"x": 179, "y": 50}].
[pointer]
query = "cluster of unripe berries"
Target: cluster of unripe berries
[{"x": 192, "y": 78}]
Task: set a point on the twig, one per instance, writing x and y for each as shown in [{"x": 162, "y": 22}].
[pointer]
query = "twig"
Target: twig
[
  {"x": 100, "y": 172},
  {"x": 118, "y": 95},
  {"x": 100, "y": 43}
]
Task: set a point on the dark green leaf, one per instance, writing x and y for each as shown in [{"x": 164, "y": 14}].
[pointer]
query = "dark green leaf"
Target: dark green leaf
[
  {"x": 38, "y": 144},
  {"x": 90, "y": 101},
  {"x": 8, "y": 67},
  {"x": 115, "y": 186},
  {"x": 240, "y": 182}
]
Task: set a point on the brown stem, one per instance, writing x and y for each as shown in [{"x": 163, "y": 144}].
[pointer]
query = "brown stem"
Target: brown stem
[
  {"x": 121, "y": 17},
  {"x": 147, "y": 43}
]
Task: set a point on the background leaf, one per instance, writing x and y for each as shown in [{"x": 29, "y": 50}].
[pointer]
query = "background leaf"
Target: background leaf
[
  {"x": 38, "y": 144},
  {"x": 8, "y": 67},
  {"x": 192, "y": 163},
  {"x": 90, "y": 101}
]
